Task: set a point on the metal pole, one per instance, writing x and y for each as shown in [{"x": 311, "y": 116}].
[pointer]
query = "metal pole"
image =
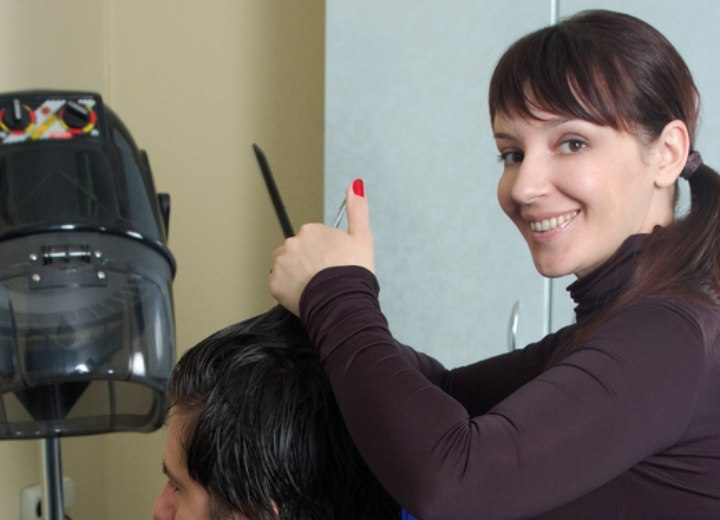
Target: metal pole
[
  {"x": 554, "y": 11},
  {"x": 53, "y": 507}
]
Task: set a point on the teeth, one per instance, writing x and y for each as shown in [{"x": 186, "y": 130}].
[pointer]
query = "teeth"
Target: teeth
[{"x": 541, "y": 226}]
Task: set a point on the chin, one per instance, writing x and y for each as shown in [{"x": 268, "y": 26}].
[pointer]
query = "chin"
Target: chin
[{"x": 550, "y": 270}]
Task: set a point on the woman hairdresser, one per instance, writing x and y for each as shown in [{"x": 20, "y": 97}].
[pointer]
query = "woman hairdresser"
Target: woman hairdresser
[{"x": 615, "y": 417}]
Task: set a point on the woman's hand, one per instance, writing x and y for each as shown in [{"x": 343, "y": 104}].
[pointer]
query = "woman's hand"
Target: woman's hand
[{"x": 317, "y": 247}]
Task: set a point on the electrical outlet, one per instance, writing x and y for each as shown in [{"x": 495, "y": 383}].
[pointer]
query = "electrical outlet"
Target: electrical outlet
[{"x": 31, "y": 499}]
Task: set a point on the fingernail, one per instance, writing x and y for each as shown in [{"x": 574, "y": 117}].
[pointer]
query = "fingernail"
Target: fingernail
[{"x": 358, "y": 187}]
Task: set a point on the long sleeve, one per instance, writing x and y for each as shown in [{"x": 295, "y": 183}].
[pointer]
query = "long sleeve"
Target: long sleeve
[{"x": 563, "y": 435}]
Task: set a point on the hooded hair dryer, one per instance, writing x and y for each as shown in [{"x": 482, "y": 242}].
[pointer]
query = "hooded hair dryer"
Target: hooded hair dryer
[{"x": 87, "y": 337}]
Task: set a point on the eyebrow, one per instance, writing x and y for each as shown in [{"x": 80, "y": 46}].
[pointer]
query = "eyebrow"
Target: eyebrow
[
  {"x": 502, "y": 135},
  {"x": 552, "y": 122},
  {"x": 169, "y": 474}
]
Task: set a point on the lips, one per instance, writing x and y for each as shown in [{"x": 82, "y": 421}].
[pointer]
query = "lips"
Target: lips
[{"x": 548, "y": 224}]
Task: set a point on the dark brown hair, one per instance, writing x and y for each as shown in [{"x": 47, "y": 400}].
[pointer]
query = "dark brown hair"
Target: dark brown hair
[
  {"x": 615, "y": 70},
  {"x": 264, "y": 428}
]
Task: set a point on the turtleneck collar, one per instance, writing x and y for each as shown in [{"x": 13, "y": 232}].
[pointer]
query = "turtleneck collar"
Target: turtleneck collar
[{"x": 604, "y": 284}]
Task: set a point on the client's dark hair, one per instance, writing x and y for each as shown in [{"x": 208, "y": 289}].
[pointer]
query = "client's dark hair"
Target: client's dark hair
[{"x": 264, "y": 428}]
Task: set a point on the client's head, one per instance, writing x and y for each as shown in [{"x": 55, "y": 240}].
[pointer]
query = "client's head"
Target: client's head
[{"x": 254, "y": 433}]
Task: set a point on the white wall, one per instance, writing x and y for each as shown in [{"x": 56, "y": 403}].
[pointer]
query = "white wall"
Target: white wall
[{"x": 196, "y": 83}]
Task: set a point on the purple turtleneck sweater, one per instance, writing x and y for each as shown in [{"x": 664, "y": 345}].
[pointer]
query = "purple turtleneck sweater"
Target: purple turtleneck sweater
[{"x": 627, "y": 426}]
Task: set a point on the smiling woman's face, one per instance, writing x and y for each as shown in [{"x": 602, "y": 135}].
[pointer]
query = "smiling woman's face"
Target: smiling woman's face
[{"x": 577, "y": 190}]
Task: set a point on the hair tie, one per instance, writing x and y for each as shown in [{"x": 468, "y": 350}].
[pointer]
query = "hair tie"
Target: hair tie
[{"x": 691, "y": 165}]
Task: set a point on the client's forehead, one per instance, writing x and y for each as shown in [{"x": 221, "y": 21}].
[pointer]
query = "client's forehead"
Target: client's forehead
[{"x": 193, "y": 499}]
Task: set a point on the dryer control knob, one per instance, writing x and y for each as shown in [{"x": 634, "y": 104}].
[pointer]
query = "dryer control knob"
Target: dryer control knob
[
  {"x": 16, "y": 116},
  {"x": 76, "y": 115}
]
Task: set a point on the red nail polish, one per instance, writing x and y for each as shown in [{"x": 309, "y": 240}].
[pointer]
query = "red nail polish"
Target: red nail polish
[{"x": 358, "y": 187}]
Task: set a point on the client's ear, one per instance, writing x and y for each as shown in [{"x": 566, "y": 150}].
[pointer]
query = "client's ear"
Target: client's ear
[{"x": 674, "y": 144}]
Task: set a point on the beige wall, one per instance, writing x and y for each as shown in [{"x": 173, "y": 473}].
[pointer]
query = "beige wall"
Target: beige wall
[{"x": 196, "y": 83}]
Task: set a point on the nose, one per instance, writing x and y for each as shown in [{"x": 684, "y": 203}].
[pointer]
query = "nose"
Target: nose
[
  {"x": 530, "y": 178},
  {"x": 164, "y": 508}
]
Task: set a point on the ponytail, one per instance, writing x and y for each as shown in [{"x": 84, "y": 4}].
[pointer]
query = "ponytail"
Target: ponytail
[{"x": 683, "y": 259}]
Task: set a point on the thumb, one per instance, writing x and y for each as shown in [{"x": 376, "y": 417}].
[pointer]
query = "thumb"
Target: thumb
[{"x": 358, "y": 217}]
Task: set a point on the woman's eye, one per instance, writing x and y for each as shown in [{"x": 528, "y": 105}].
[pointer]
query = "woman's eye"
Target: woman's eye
[
  {"x": 572, "y": 146},
  {"x": 511, "y": 157}
]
